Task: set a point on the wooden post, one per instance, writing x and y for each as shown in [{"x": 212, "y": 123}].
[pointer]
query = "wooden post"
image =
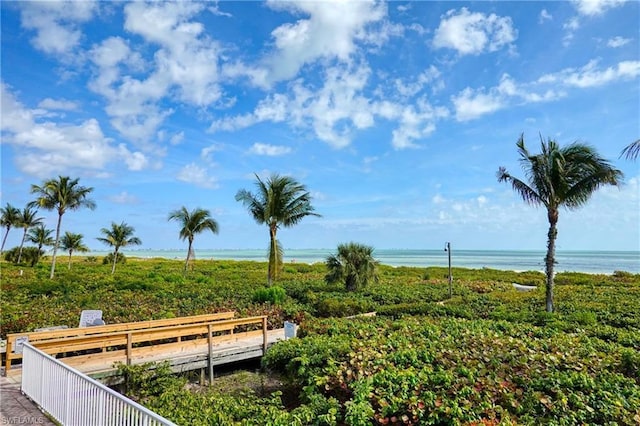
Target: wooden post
[
  {"x": 129, "y": 347},
  {"x": 264, "y": 335},
  {"x": 7, "y": 365},
  {"x": 210, "y": 344}
]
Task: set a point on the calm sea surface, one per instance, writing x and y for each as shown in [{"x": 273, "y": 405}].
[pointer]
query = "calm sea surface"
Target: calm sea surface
[{"x": 605, "y": 262}]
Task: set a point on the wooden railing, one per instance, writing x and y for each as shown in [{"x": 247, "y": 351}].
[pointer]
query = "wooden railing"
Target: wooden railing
[{"x": 109, "y": 339}]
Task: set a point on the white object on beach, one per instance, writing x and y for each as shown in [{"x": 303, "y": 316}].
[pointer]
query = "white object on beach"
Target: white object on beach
[{"x": 521, "y": 287}]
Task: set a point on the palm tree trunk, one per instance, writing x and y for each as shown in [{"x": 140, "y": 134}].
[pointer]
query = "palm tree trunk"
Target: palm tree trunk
[
  {"x": 550, "y": 258},
  {"x": 115, "y": 259},
  {"x": 186, "y": 262},
  {"x": 273, "y": 255},
  {"x": 4, "y": 240},
  {"x": 70, "y": 253},
  {"x": 24, "y": 236},
  {"x": 55, "y": 247}
]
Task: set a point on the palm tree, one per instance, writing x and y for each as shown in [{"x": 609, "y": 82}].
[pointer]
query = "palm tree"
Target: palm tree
[
  {"x": 41, "y": 236},
  {"x": 118, "y": 236},
  {"x": 194, "y": 222},
  {"x": 26, "y": 220},
  {"x": 72, "y": 242},
  {"x": 61, "y": 194},
  {"x": 559, "y": 177},
  {"x": 8, "y": 219},
  {"x": 281, "y": 200},
  {"x": 631, "y": 151},
  {"x": 354, "y": 263}
]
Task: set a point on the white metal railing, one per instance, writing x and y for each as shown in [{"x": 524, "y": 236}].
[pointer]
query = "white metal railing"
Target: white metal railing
[{"x": 74, "y": 399}]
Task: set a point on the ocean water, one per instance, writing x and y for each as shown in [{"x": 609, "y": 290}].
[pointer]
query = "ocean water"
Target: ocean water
[{"x": 596, "y": 262}]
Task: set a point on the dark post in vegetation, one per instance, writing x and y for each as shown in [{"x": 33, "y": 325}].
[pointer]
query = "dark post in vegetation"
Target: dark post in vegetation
[{"x": 447, "y": 248}]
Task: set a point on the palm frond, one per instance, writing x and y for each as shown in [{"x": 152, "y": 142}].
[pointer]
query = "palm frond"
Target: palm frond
[{"x": 631, "y": 151}]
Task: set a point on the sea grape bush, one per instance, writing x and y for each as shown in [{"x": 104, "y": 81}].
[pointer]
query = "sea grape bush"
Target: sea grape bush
[{"x": 421, "y": 370}]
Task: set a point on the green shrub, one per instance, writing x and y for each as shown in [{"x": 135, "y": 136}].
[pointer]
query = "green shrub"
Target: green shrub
[
  {"x": 30, "y": 255},
  {"x": 332, "y": 307},
  {"x": 583, "y": 317},
  {"x": 274, "y": 295},
  {"x": 630, "y": 363},
  {"x": 146, "y": 380},
  {"x": 108, "y": 259}
]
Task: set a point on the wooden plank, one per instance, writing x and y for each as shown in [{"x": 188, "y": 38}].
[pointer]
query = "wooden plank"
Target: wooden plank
[
  {"x": 155, "y": 339},
  {"x": 196, "y": 356},
  {"x": 72, "y": 344},
  {"x": 109, "y": 328}
]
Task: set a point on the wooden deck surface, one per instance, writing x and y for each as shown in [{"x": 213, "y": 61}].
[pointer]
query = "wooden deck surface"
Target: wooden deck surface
[{"x": 182, "y": 356}]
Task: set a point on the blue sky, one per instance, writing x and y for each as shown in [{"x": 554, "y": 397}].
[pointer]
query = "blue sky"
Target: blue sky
[{"x": 396, "y": 116}]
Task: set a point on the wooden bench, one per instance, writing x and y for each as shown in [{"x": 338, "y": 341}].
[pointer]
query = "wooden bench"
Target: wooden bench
[{"x": 105, "y": 337}]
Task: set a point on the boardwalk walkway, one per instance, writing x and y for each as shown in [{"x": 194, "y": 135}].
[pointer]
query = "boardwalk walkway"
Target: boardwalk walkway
[
  {"x": 137, "y": 346},
  {"x": 17, "y": 409}
]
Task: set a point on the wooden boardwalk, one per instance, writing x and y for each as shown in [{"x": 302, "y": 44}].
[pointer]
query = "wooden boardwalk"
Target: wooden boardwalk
[{"x": 187, "y": 343}]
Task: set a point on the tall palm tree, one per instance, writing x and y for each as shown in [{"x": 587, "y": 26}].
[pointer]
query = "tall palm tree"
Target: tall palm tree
[
  {"x": 8, "y": 218},
  {"x": 61, "y": 194},
  {"x": 280, "y": 200},
  {"x": 631, "y": 151},
  {"x": 72, "y": 242},
  {"x": 118, "y": 236},
  {"x": 193, "y": 222},
  {"x": 41, "y": 236},
  {"x": 354, "y": 263},
  {"x": 559, "y": 177},
  {"x": 27, "y": 220}
]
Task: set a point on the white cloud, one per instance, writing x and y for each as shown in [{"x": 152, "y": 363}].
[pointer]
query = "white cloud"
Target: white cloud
[
  {"x": 590, "y": 75},
  {"x": 215, "y": 9},
  {"x": 339, "y": 108},
  {"x": 44, "y": 148},
  {"x": 269, "y": 150},
  {"x": 135, "y": 161},
  {"x": 332, "y": 112},
  {"x": 207, "y": 152},
  {"x": 595, "y": 7},
  {"x": 473, "y": 33},
  {"x": 123, "y": 198},
  {"x": 618, "y": 41},
  {"x": 470, "y": 104},
  {"x": 330, "y": 31},
  {"x": 438, "y": 199},
  {"x": 58, "y": 104},
  {"x": 177, "y": 138},
  {"x": 184, "y": 68},
  {"x": 415, "y": 122},
  {"x": 430, "y": 76},
  {"x": 192, "y": 173},
  {"x": 56, "y": 23},
  {"x": 544, "y": 16}
]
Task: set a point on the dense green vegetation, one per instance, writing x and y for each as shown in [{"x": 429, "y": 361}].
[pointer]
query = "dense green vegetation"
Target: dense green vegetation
[{"x": 489, "y": 355}]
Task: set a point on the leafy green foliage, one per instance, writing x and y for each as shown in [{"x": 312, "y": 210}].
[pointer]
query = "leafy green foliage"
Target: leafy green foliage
[
  {"x": 274, "y": 295},
  {"x": 419, "y": 370},
  {"x": 354, "y": 264},
  {"x": 488, "y": 355},
  {"x": 30, "y": 255},
  {"x": 120, "y": 259}
]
